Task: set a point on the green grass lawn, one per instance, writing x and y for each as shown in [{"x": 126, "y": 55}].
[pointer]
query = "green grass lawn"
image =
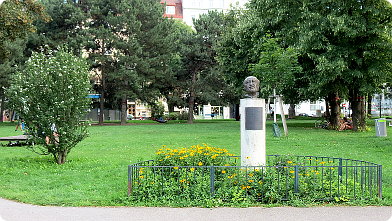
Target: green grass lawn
[{"x": 96, "y": 170}]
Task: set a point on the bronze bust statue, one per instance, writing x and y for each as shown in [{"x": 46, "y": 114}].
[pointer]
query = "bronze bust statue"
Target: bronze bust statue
[{"x": 251, "y": 86}]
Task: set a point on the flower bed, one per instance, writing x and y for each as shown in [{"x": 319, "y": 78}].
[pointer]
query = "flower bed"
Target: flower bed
[{"x": 203, "y": 171}]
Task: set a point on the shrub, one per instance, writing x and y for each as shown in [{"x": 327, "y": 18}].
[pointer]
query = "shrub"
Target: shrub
[{"x": 187, "y": 173}]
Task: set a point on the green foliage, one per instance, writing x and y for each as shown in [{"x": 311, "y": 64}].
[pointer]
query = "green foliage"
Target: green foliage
[
  {"x": 51, "y": 95},
  {"x": 276, "y": 67},
  {"x": 157, "y": 110},
  {"x": 16, "y": 20},
  {"x": 197, "y": 73},
  {"x": 65, "y": 27}
]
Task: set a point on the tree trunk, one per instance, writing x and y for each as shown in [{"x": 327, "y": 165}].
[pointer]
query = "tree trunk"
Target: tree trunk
[
  {"x": 292, "y": 111},
  {"x": 61, "y": 156},
  {"x": 192, "y": 99},
  {"x": 334, "y": 102},
  {"x": 102, "y": 101},
  {"x": 237, "y": 112},
  {"x": 2, "y": 105},
  {"x": 171, "y": 108},
  {"x": 327, "y": 114},
  {"x": 369, "y": 106},
  {"x": 124, "y": 111},
  {"x": 358, "y": 108}
]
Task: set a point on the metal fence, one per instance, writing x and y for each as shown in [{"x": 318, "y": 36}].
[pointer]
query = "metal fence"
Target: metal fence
[{"x": 323, "y": 178}]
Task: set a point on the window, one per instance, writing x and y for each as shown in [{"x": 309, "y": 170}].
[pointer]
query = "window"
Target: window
[
  {"x": 211, "y": 3},
  {"x": 170, "y": 10}
]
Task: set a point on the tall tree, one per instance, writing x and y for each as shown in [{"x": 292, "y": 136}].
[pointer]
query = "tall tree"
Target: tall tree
[
  {"x": 16, "y": 20},
  {"x": 144, "y": 49},
  {"x": 65, "y": 27},
  {"x": 100, "y": 47},
  {"x": 9, "y": 66},
  {"x": 276, "y": 67},
  {"x": 341, "y": 45},
  {"x": 199, "y": 79}
]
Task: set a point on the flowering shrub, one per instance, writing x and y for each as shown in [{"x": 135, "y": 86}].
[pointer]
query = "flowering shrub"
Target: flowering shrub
[
  {"x": 203, "y": 172},
  {"x": 196, "y": 155}
]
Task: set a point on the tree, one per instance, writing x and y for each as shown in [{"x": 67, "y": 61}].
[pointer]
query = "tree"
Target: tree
[
  {"x": 199, "y": 78},
  {"x": 65, "y": 27},
  {"x": 342, "y": 46},
  {"x": 9, "y": 66},
  {"x": 51, "y": 95},
  {"x": 276, "y": 69},
  {"x": 144, "y": 48},
  {"x": 16, "y": 20}
]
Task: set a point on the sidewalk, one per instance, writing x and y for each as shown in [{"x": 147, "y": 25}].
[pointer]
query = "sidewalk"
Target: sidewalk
[{"x": 13, "y": 211}]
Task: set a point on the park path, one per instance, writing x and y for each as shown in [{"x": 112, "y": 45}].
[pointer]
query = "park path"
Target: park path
[{"x": 14, "y": 211}]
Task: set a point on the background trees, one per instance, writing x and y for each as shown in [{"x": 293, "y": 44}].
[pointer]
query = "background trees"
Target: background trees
[
  {"x": 51, "y": 95},
  {"x": 342, "y": 47},
  {"x": 132, "y": 48},
  {"x": 16, "y": 21},
  {"x": 199, "y": 78}
]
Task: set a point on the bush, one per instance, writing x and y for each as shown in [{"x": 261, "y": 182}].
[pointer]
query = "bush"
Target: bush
[{"x": 51, "y": 95}]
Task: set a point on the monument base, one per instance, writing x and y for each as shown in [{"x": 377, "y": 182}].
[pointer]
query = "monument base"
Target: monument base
[{"x": 253, "y": 151}]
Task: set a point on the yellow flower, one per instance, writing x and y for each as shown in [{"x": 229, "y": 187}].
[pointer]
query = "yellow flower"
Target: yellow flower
[
  {"x": 248, "y": 187},
  {"x": 223, "y": 171},
  {"x": 256, "y": 170},
  {"x": 183, "y": 180},
  {"x": 141, "y": 177},
  {"x": 330, "y": 161},
  {"x": 289, "y": 161},
  {"x": 176, "y": 168},
  {"x": 200, "y": 164},
  {"x": 260, "y": 182},
  {"x": 192, "y": 169},
  {"x": 250, "y": 181},
  {"x": 247, "y": 157},
  {"x": 322, "y": 162},
  {"x": 251, "y": 174},
  {"x": 292, "y": 171}
]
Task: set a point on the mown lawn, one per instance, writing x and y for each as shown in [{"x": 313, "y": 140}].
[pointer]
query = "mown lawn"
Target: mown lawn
[{"x": 96, "y": 170}]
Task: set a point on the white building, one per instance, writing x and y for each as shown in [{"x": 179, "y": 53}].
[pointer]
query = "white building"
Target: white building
[{"x": 194, "y": 8}]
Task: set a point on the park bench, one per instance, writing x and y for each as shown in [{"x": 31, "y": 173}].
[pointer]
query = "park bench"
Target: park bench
[{"x": 15, "y": 140}]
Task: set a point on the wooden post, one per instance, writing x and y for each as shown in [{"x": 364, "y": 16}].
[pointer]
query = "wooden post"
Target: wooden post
[
  {"x": 283, "y": 116},
  {"x": 267, "y": 108}
]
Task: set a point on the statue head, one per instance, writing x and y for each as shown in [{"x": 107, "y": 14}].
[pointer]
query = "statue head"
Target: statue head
[{"x": 251, "y": 86}]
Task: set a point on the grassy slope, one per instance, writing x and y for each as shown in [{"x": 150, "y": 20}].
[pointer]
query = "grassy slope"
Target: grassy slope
[{"x": 96, "y": 170}]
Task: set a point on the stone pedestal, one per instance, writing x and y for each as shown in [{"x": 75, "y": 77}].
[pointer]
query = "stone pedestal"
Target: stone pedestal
[{"x": 252, "y": 112}]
